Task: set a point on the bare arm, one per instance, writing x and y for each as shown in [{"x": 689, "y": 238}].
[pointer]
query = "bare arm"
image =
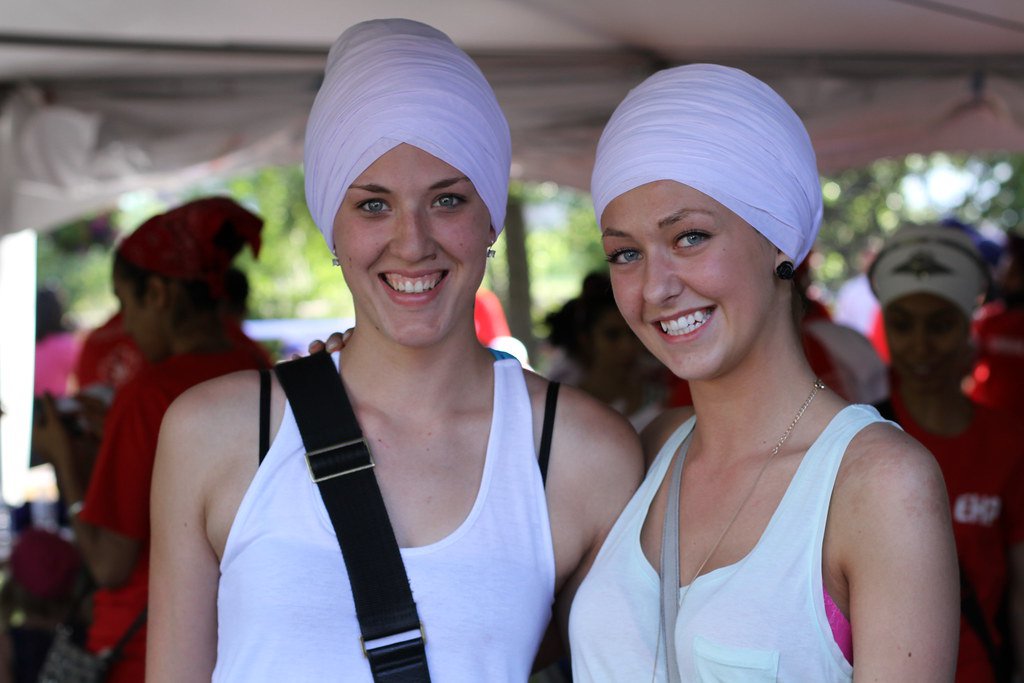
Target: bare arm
[
  {"x": 596, "y": 466},
  {"x": 893, "y": 539},
  {"x": 205, "y": 458}
]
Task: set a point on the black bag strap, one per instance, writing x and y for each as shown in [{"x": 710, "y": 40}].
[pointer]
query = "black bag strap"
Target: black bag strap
[
  {"x": 974, "y": 615},
  {"x": 114, "y": 653},
  {"x": 264, "y": 413},
  {"x": 550, "y": 404},
  {"x": 339, "y": 462}
]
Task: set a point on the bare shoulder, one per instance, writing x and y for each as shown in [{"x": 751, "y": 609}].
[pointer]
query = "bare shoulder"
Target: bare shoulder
[
  {"x": 657, "y": 432},
  {"x": 595, "y": 466},
  {"x": 214, "y": 426},
  {"x": 889, "y": 489},
  {"x": 583, "y": 425},
  {"x": 202, "y": 412},
  {"x": 889, "y": 545},
  {"x": 884, "y": 463}
]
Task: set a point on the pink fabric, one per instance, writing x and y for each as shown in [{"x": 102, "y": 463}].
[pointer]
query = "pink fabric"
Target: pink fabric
[
  {"x": 56, "y": 356},
  {"x": 841, "y": 631}
]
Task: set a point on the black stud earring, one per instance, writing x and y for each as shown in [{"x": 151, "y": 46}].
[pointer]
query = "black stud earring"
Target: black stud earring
[{"x": 785, "y": 270}]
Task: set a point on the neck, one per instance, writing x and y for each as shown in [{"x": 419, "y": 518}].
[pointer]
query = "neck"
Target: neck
[
  {"x": 199, "y": 334},
  {"x": 411, "y": 380},
  {"x": 746, "y": 411},
  {"x": 944, "y": 411}
]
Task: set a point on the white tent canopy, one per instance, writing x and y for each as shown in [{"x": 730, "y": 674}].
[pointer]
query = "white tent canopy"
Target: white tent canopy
[{"x": 107, "y": 96}]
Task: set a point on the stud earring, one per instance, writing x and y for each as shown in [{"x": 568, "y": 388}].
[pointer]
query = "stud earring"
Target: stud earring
[
  {"x": 785, "y": 271},
  {"x": 334, "y": 261},
  {"x": 490, "y": 252}
]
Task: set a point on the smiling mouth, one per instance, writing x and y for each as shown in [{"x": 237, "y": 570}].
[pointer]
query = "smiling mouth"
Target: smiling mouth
[
  {"x": 685, "y": 324},
  {"x": 413, "y": 285}
]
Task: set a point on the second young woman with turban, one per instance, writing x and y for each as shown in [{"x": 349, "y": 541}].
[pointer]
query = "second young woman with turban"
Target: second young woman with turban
[
  {"x": 808, "y": 540},
  {"x": 407, "y": 165}
]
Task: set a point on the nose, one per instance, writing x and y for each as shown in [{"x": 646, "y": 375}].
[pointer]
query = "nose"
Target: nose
[
  {"x": 661, "y": 282},
  {"x": 412, "y": 240},
  {"x": 920, "y": 341}
]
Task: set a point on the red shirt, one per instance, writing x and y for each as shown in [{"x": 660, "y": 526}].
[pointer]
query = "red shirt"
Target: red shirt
[
  {"x": 489, "y": 317},
  {"x": 108, "y": 356},
  {"x": 984, "y": 472},
  {"x": 118, "y": 495},
  {"x": 999, "y": 371}
]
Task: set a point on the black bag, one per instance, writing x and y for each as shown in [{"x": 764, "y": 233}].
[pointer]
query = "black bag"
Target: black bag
[{"x": 68, "y": 662}]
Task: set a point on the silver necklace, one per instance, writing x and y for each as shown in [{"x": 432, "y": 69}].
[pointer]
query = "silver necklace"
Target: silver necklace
[{"x": 818, "y": 386}]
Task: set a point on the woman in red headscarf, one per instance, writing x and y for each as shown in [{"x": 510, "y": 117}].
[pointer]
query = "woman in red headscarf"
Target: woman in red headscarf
[{"x": 169, "y": 278}]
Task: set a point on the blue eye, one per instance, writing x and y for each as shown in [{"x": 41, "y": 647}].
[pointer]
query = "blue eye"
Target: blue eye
[
  {"x": 623, "y": 256},
  {"x": 692, "y": 238},
  {"x": 449, "y": 201},
  {"x": 373, "y": 205}
]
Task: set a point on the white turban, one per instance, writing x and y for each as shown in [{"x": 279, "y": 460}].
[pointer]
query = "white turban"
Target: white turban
[
  {"x": 932, "y": 259},
  {"x": 722, "y": 132},
  {"x": 394, "y": 81}
]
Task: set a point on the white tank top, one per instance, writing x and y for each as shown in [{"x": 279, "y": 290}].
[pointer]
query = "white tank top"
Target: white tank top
[
  {"x": 484, "y": 593},
  {"x": 761, "y": 619}
]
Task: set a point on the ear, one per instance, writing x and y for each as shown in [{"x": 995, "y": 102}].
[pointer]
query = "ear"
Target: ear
[
  {"x": 157, "y": 292},
  {"x": 492, "y": 235}
]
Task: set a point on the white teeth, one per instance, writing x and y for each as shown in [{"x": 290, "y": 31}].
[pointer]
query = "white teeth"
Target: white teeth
[
  {"x": 412, "y": 285},
  {"x": 686, "y": 323}
]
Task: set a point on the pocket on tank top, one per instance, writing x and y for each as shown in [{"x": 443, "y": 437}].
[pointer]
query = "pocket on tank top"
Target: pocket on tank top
[{"x": 717, "y": 663}]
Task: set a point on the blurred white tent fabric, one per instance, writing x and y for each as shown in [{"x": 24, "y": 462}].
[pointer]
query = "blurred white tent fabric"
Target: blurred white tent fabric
[{"x": 100, "y": 98}]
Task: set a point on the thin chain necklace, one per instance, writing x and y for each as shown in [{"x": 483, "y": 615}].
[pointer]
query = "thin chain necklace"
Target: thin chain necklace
[{"x": 818, "y": 386}]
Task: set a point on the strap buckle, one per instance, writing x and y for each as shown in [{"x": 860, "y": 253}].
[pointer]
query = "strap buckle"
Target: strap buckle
[
  {"x": 327, "y": 463},
  {"x": 394, "y": 640}
]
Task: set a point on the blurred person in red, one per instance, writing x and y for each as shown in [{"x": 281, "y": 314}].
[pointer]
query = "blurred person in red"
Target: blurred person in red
[
  {"x": 109, "y": 356},
  {"x": 930, "y": 280},
  {"x": 235, "y": 310},
  {"x": 998, "y": 376},
  {"x": 489, "y": 317},
  {"x": 169, "y": 278}
]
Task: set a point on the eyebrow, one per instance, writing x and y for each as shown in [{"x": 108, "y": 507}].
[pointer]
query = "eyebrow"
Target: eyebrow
[
  {"x": 680, "y": 215},
  {"x": 380, "y": 189},
  {"x": 665, "y": 222}
]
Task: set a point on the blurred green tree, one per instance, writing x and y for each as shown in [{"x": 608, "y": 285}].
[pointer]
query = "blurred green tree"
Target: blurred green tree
[{"x": 294, "y": 277}]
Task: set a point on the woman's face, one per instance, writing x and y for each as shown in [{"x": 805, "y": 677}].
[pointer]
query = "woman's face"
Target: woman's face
[
  {"x": 610, "y": 344},
  {"x": 693, "y": 280},
  {"x": 929, "y": 341},
  {"x": 411, "y": 236},
  {"x": 143, "y": 318}
]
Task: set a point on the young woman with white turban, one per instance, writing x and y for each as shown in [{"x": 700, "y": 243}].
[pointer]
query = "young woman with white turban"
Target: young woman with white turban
[
  {"x": 407, "y": 163},
  {"x": 808, "y": 540},
  {"x": 930, "y": 280}
]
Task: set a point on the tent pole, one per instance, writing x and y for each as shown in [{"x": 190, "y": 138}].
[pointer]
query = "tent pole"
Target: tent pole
[
  {"x": 17, "y": 360},
  {"x": 520, "y": 321}
]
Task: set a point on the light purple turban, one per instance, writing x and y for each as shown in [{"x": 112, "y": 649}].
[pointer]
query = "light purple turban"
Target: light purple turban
[
  {"x": 722, "y": 132},
  {"x": 394, "y": 81}
]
